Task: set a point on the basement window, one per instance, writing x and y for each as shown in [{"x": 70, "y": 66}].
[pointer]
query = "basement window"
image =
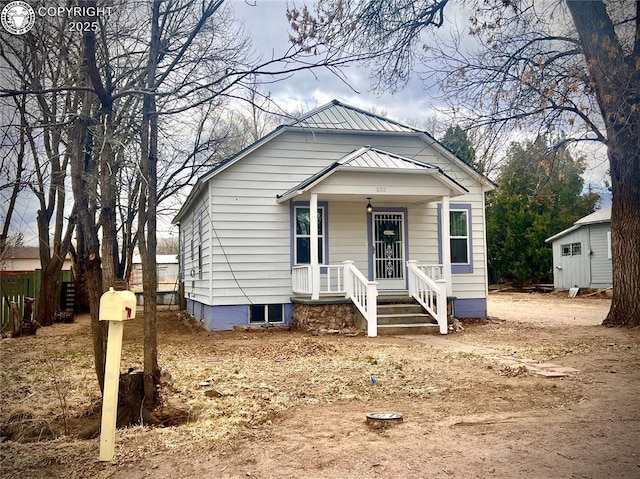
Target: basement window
[{"x": 266, "y": 313}]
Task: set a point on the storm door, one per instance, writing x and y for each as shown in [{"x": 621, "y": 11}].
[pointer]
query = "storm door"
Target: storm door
[{"x": 388, "y": 250}]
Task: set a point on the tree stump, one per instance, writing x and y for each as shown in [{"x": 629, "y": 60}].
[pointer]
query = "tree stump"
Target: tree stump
[
  {"x": 15, "y": 319},
  {"x": 131, "y": 410},
  {"x": 25, "y": 326},
  {"x": 27, "y": 314}
]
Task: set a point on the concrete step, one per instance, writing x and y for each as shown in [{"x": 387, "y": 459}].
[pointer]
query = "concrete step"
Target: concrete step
[
  {"x": 413, "y": 308},
  {"x": 402, "y": 329},
  {"x": 409, "y": 318}
]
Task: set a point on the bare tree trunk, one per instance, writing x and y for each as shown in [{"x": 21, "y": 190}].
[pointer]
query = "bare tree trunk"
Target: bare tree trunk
[
  {"x": 147, "y": 217},
  {"x": 108, "y": 190},
  {"x": 617, "y": 79},
  {"x": 84, "y": 183}
]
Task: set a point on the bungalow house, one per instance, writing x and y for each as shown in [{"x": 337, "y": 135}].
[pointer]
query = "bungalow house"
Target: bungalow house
[
  {"x": 338, "y": 206},
  {"x": 582, "y": 253}
]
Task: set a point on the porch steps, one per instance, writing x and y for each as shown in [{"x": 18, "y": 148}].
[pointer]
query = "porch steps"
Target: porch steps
[{"x": 399, "y": 315}]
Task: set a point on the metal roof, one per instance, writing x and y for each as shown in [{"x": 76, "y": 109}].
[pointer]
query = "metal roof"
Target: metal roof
[
  {"x": 368, "y": 157},
  {"x": 602, "y": 215},
  {"x": 338, "y": 116}
]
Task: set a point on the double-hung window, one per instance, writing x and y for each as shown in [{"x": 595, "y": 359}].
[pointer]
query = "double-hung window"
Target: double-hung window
[
  {"x": 459, "y": 236},
  {"x": 302, "y": 230}
]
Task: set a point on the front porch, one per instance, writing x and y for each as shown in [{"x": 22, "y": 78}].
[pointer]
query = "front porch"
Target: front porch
[
  {"x": 342, "y": 297},
  {"x": 372, "y": 246}
]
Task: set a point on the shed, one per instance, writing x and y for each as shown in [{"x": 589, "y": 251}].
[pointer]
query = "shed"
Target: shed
[{"x": 582, "y": 253}]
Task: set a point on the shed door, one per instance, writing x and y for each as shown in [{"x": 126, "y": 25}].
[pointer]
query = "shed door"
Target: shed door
[{"x": 388, "y": 250}]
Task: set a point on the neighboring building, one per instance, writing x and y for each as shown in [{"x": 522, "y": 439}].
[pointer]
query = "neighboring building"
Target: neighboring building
[
  {"x": 27, "y": 258},
  {"x": 277, "y": 221},
  {"x": 167, "y": 267},
  {"x": 582, "y": 253}
]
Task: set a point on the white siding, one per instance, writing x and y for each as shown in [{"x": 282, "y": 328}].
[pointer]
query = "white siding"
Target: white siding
[
  {"x": 601, "y": 269},
  {"x": 247, "y": 254},
  {"x": 572, "y": 270}
]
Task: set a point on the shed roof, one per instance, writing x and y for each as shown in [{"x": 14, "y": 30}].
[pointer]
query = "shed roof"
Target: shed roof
[{"x": 602, "y": 215}]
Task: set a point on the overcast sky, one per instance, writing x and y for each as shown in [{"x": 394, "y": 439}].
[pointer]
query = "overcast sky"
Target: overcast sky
[{"x": 266, "y": 24}]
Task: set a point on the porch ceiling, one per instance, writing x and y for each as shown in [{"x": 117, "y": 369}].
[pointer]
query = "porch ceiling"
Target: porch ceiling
[{"x": 369, "y": 172}]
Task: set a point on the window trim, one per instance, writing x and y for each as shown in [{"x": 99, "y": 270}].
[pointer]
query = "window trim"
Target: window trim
[
  {"x": 458, "y": 268},
  {"x": 324, "y": 205}
]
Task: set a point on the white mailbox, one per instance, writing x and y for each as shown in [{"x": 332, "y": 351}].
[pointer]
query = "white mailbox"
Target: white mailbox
[{"x": 117, "y": 305}]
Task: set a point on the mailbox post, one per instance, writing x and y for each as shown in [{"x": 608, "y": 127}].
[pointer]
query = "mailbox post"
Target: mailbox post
[{"x": 115, "y": 307}]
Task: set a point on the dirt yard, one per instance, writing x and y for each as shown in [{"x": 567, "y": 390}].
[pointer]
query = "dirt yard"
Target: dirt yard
[{"x": 286, "y": 404}]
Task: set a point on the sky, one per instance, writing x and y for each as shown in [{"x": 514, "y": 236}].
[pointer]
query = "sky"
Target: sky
[
  {"x": 266, "y": 24},
  {"x": 268, "y": 27}
]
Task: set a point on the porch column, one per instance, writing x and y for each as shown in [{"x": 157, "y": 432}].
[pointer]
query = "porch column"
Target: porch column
[
  {"x": 315, "y": 267},
  {"x": 446, "y": 244}
]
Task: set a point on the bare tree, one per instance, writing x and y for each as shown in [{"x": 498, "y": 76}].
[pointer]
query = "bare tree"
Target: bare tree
[{"x": 40, "y": 115}]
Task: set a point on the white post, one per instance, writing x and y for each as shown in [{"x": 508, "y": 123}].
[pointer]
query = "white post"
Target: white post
[
  {"x": 315, "y": 267},
  {"x": 442, "y": 306},
  {"x": 372, "y": 309},
  {"x": 446, "y": 245},
  {"x": 110, "y": 395},
  {"x": 348, "y": 280},
  {"x": 412, "y": 279}
]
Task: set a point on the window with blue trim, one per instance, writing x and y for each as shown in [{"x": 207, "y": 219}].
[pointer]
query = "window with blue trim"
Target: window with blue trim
[
  {"x": 460, "y": 237},
  {"x": 302, "y": 232}
]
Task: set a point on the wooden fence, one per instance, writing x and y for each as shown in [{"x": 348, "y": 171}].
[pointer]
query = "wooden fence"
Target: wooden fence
[{"x": 17, "y": 285}]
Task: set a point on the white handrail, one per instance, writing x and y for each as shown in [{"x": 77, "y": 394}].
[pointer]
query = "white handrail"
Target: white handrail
[
  {"x": 432, "y": 295},
  {"x": 364, "y": 295}
]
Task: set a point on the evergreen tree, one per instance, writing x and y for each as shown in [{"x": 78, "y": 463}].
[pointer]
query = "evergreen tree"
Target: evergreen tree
[
  {"x": 457, "y": 141},
  {"x": 540, "y": 193}
]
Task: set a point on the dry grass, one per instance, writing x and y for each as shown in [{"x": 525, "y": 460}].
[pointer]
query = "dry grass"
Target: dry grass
[{"x": 258, "y": 377}]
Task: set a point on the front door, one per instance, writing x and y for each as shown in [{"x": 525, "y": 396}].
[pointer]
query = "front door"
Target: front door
[{"x": 388, "y": 250}]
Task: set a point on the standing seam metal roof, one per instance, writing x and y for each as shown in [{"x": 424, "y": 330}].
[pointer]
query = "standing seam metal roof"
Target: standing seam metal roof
[{"x": 336, "y": 115}]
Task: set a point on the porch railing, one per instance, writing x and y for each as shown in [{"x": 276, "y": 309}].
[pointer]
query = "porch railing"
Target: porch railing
[
  {"x": 331, "y": 279},
  {"x": 301, "y": 279},
  {"x": 430, "y": 293},
  {"x": 434, "y": 271},
  {"x": 364, "y": 294},
  {"x": 341, "y": 279}
]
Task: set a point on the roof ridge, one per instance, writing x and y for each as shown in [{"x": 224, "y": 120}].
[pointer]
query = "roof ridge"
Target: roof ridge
[{"x": 333, "y": 103}]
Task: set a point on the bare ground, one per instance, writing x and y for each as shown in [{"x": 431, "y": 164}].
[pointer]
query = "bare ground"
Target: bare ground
[{"x": 289, "y": 404}]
